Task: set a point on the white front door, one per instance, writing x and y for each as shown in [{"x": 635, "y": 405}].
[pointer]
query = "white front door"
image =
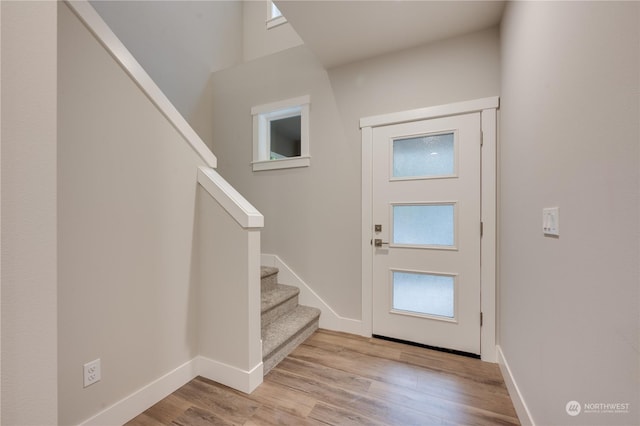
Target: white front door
[{"x": 426, "y": 213}]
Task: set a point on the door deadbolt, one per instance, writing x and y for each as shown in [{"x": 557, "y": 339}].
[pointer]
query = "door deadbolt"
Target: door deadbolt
[
  {"x": 378, "y": 242},
  {"x": 377, "y": 228}
]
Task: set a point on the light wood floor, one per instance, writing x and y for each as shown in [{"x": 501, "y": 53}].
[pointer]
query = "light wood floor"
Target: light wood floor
[{"x": 342, "y": 379}]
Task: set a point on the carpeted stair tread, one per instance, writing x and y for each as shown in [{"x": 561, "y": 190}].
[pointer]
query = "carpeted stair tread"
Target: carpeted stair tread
[
  {"x": 285, "y": 324},
  {"x": 280, "y": 294},
  {"x": 286, "y": 327},
  {"x": 266, "y": 271},
  {"x": 268, "y": 278}
]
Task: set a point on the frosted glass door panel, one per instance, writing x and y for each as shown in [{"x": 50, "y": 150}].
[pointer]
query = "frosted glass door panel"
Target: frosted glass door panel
[
  {"x": 424, "y": 156},
  {"x": 424, "y": 225},
  {"x": 424, "y": 294}
]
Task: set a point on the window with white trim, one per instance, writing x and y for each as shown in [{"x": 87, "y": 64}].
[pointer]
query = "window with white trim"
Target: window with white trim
[
  {"x": 281, "y": 134},
  {"x": 274, "y": 16}
]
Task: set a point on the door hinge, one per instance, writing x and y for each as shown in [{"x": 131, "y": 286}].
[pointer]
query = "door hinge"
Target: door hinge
[
  {"x": 481, "y": 138},
  {"x": 481, "y": 229},
  {"x": 480, "y": 319}
]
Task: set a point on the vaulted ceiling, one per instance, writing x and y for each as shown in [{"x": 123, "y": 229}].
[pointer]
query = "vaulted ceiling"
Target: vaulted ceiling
[{"x": 339, "y": 32}]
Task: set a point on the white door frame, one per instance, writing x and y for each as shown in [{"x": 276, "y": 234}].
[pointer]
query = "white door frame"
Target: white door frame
[{"x": 488, "y": 119}]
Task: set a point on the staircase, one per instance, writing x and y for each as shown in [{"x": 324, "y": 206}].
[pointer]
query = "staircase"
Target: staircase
[{"x": 285, "y": 323}]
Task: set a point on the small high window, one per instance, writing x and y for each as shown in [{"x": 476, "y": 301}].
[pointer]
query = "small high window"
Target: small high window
[
  {"x": 274, "y": 16},
  {"x": 281, "y": 134}
]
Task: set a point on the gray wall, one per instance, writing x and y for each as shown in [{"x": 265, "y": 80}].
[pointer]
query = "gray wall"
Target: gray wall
[
  {"x": 29, "y": 237},
  {"x": 257, "y": 40},
  {"x": 312, "y": 215},
  {"x": 179, "y": 44},
  {"x": 569, "y": 137},
  {"x": 127, "y": 283}
]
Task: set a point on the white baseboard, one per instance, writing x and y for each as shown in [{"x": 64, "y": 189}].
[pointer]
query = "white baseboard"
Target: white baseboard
[
  {"x": 134, "y": 404},
  {"x": 329, "y": 319},
  {"x": 242, "y": 380},
  {"x": 518, "y": 401}
]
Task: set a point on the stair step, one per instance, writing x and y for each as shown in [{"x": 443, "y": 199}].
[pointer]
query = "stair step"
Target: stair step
[
  {"x": 284, "y": 334},
  {"x": 277, "y": 302},
  {"x": 268, "y": 277}
]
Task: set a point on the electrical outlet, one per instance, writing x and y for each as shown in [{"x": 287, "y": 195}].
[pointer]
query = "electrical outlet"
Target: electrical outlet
[{"x": 92, "y": 372}]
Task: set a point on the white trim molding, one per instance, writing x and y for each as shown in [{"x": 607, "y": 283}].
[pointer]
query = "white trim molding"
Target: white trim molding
[
  {"x": 280, "y": 105},
  {"x": 476, "y": 105},
  {"x": 92, "y": 20},
  {"x": 281, "y": 163},
  {"x": 329, "y": 319},
  {"x": 231, "y": 200},
  {"x": 488, "y": 242},
  {"x": 524, "y": 415},
  {"x": 367, "y": 226},
  {"x": 140, "y": 400},
  {"x": 487, "y": 108},
  {"x": 245, "y": 381},
  {"x": 136, "y": 403},
  {"x": 263, "y": 115},
  {"x": 274, "y": 19}
]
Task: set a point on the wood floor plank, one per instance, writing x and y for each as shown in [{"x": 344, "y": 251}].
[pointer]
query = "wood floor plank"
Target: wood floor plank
[
  {"x": 340, "y": 379},
  {"x": 359, "y": 364},
  {"x": 167, "y": 410},
  {"x": 399, "y": 373},
  {"x": 367, "y": 346},
  {"x": 334, "y": 376},
  {"x": 224, "y": 402},
  {"x": 465, "y": 392},
  {"x": 459, "y": 413},
  {"x": 268, "y": 416},
  {"x": 272, "y": 394},
  {"x": 358, "y": 404},
  {"x": 195, "y": 416},
  {"x": 332, "y": 415},
  {"x": 321, "y": 391},
  {"x": 145, "y": 420},
  {"x": 471, "y": 369},
  {"x": 432, "y": 359}
]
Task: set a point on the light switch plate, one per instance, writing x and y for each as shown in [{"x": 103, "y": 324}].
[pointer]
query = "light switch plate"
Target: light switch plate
[{"x": 551, "y": 221}]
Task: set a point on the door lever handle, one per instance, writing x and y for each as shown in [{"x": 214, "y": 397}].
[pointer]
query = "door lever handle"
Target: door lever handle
[{"x": 378, "y": 242}]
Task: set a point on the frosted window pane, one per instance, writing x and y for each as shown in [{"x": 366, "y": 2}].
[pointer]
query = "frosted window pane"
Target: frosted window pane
[
  {"x": 423, "y": 293},
  {"x": 424, "y": 224},
  {"x": 424, "y": 156}
]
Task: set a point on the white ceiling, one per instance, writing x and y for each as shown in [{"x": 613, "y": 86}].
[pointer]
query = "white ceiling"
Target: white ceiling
[{"x": 339, "y": 32}]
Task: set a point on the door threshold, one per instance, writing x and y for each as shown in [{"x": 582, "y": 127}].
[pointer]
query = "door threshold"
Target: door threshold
[{"x": 433, "y": 348}]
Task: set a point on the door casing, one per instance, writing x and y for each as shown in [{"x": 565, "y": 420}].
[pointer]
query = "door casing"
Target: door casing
[{"x": 488, "y": 243}]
